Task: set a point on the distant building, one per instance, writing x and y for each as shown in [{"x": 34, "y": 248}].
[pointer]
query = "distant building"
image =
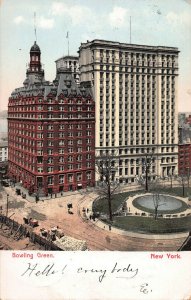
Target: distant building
[
  {"x": 135, "y": 91},
  {"x": 184, "y": 127},
  {"x": 184, "y": 159},
  {"x": 51, "y": 131},
  {"x": 3, "y": 151},
  {"x": 69, "y": 62},
  {"x": 3, "y": 158}
]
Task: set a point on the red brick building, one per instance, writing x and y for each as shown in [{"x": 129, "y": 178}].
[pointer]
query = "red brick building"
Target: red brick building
[
  {"x": 51, "y": 132},
  {"x": 184, "y": 159}
]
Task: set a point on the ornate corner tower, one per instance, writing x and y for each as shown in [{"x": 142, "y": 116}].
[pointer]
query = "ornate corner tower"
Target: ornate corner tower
[{"x": 35, "y": 73}]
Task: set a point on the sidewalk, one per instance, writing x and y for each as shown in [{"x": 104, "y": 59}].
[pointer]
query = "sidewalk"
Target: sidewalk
[{"x": 11, "y": 190}]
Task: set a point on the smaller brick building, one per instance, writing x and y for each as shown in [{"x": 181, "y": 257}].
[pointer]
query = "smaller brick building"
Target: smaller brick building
[{"x": 184, "y": 159}]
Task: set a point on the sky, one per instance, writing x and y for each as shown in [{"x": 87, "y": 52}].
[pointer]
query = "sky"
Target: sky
[{"x": 153, "y": 22}]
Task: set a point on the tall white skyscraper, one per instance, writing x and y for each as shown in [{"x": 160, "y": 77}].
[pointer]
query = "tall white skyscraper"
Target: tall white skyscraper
[{"x": 135, "y": 90}]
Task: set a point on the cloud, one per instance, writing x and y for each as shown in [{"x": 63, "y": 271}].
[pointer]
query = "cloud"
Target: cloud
[
  {"x": 45, "y": 23},
  {"x": 42, "y": 22},
  {"x": 175, "y": 19},
  {"x": 118, "y": 16},
  {"x": 19, "y": 20},
  {"x": 78, "y": 14}
]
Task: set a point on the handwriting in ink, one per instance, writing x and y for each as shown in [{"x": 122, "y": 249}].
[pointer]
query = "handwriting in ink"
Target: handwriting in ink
[
  {"x": 127, "y": 272},
  {"x": 47, "y": 271},
  {"x": 145, "y": 288}
]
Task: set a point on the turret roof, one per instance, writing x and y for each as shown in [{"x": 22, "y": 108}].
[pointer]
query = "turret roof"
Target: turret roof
[{"x": 35, "y": 48}]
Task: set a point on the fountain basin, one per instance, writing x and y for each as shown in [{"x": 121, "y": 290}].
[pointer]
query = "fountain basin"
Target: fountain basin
[{"x": 166, "y": 203}]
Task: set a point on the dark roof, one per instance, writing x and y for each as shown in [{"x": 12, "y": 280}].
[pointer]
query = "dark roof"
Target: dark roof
[{"x": 35, "y": 48}]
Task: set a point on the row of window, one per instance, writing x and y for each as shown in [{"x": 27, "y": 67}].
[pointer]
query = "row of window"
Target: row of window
[
  {"x": 42, "y": 100},
  {"x": 51, "y": 116},
  {"x": 135, "y": 55},
  {"x": 69, "y": 178},
  {"x": 64, "y": 168}
]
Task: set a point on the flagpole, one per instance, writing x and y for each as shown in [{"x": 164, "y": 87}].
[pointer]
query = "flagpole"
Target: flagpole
[
  {"x": 35, "y": 26},
  {"x": 68, "y": 43}
]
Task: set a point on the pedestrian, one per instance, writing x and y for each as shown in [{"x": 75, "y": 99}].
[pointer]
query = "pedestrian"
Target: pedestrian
[
  {"x": 109, "y": 227},
  {"x": 87, "y": 210}
]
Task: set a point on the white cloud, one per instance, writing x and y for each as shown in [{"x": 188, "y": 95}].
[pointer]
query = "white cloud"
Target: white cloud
[
  {"x": 45, "y": 23},
  {"x": 58, "y": 8},
  {"x": 41, "y": 22},
  {"x": 19, "y": 20},
  {"x": 78, "y": 14},
  {"x": 117, "y": 18},
  {"x": 174, "y": 19}
]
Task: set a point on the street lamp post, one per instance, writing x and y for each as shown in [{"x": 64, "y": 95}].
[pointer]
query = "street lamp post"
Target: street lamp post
[
  {"x": 188, "y": 176},
  {"x": 7, "y": 205}
]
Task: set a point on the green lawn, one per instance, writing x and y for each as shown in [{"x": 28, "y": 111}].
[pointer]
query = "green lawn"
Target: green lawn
[
  {"x": 176, "y": 191},
  {"x": 101, "y": 205},
  {"x": 149, "y": 225}
]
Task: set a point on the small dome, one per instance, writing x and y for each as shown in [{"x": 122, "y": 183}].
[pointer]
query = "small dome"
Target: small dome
[{"x": 35, "y": 48}]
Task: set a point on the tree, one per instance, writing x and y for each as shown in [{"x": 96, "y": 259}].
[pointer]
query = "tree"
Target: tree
[
  {"x": 106, "y": 168},
  {"x": 157, "y": 203},
  {"x": 182, "y": 180},
  {"x": 188, "y": 176},
  {"x": 157, "y": 197},
  {"x": 147, "y": 163}
]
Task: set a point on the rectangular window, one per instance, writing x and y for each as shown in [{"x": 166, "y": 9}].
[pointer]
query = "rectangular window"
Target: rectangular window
[
  {"x": 61, "y": 151},
  {"x": 40, "y": 170},
  {"x": 70, "y": 178},
  {"x": 50, "y": 169},
  {"x": 50, "y": 180},
  {"x": 79, "y": 176},
  {"x": 50, "y": 151},
  {"x": 50, "y": 160},
  {"x": 61, "y": 179},
  {"x": 88, "y": 175}
]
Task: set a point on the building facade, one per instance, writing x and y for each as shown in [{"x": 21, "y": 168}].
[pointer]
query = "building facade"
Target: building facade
[
  {"x": 184, "y": 128},
  {"x": 184, "y": 159},
  {"x": 51, "y": 132},
  {"x": 135, "y": 90},
  {"x": 69, "y": 62},
  {"x": 3, "y": 151}
]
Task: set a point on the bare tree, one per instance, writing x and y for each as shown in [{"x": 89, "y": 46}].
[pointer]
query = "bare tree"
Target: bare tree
[
  {"x": 188, "y": 176},
  {"x": 147, "y": 163},
  {"x": 157, "y": 203},
  {"x": 106, "y": 168},
  {"x": 157, "y": 197},
  {"x": 182, "y": 180}
]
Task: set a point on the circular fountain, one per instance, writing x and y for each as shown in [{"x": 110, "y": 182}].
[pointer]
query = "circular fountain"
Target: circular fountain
[{"x": 164, "y": 203}]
